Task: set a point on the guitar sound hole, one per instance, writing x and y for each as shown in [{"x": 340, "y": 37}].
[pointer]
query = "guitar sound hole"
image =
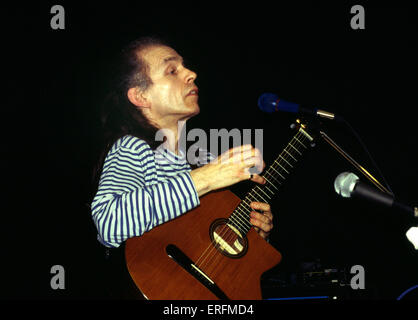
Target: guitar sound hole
[{"x": 227, "y": 239}]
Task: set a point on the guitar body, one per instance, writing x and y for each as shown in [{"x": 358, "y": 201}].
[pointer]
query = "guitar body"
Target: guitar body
[{"x": 160, "y": 277}]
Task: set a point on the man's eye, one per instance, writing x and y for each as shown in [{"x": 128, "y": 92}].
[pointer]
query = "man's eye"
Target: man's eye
[{"x": 173, "y": 71}]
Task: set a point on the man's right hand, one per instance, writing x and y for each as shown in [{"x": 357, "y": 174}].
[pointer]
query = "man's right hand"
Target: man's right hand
[{"x": 229, "y": 168}]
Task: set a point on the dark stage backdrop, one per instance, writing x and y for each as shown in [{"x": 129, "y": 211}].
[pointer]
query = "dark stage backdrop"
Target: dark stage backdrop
[{"x": 306, "y": 53}]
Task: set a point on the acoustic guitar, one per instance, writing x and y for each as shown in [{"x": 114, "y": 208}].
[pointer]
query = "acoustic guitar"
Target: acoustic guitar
[{"x": 213, "y": 252}]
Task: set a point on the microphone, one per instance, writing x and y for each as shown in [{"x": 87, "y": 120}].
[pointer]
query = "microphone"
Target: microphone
[
  {"x": 412, "y": 235},
  {"x": 270, "y": 102},
  {"x": 348, "y": 185}
]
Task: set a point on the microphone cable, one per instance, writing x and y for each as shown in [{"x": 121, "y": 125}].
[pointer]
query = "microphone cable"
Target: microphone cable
[{"x": 367, "y": 152}]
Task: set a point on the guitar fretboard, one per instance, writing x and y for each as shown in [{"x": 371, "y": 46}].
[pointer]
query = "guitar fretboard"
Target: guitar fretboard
[{"x": 275, "y": 176}]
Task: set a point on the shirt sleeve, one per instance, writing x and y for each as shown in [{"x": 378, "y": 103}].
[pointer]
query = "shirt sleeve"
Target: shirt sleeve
[
  {"x": 204, "y": 157},
  {"x": 130, "y": 200}
]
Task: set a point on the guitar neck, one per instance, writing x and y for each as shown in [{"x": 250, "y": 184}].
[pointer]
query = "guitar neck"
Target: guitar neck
[{"x": 275, "y": 176}]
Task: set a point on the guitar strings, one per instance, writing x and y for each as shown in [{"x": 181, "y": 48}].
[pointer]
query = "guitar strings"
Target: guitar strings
[
  {"x": 240, "y": 216},
  {"x": 217, "y": 257},
  {"x": 250, "y": 194},
  {"x": 247, "y": 211},
  {"x": 212, "y": 263}
]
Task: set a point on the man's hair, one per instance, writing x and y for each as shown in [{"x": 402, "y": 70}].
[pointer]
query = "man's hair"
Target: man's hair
[{"x": 118, "y": 116}]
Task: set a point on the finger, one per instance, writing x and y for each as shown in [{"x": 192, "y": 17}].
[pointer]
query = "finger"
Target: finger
[
  {"x": 266, "y": 227},
  {"x": 237, "y": 154},
  {"x": 255, "y": 164},
  {"x": 246, "y": 149},
  {"x": 258, "y": 179},
  {"x": 245, "y": 156},
  {"x": 263, "y": 234},
  {"x": 264, "y": 218},
  {"x": 260, "y": 206},
  {"x": 260, "y": 162},
  {"x": 249, "y": 163},
  {"x": 258, "y": 166}
]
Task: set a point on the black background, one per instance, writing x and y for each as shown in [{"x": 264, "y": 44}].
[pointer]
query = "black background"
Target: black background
[{"x": 305, "y": 52}]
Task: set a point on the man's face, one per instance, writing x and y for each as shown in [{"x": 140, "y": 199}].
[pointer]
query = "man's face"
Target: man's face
[{"x": 173, "y": 95}]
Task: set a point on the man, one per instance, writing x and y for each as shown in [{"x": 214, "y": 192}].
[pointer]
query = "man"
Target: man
[{"x": 142, "y": 185}]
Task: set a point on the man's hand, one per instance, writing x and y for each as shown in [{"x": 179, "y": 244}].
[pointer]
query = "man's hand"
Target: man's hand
[
  {"x": 229, "y": 168},
  {"x": 263, "y": 222}
]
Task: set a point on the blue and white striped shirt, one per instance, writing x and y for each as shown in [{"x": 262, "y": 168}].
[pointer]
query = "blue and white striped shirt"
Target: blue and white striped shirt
[{"x": 139, "y": 189}]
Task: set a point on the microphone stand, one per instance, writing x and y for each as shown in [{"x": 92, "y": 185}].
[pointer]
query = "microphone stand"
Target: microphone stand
[
  {"x": 359, "y": 167},
  {"x": 354, "y": 163}
]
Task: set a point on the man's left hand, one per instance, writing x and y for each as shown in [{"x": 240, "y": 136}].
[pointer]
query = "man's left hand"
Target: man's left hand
[{"x": 263, "y": 222}]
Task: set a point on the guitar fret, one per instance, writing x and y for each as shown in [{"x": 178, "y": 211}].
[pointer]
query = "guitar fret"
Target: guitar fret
[
  {"x": 263, "y": 192},
  {"x": 286, "y": 161},
  {"x": 274, "y": 179},
  {"x": 270, "y": 183},
  {"x": 274, "y": 176},
  {"x": 300, "y": 143},
  {"x": 246, "y": 202},
  {"x": 234, "y": 222},
  {"x": 278, "y": 173},
  {"x": 260, "y": 197},
  {"x": 244, "y": 226},
  {"x": 281, "y": 166},
  {"x": 254, "y": 198},
  {"x": 244, "y": 214},
  {"x": 241, "y": 222},
  {"x": 290, "y": 155},
  {"x": 246, "y": 210},
  {"x": 295, "y": 149},
  {"x": 265, "y": 186}
]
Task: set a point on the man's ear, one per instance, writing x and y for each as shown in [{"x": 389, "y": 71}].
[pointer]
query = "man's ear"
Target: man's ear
[{"x": 137, "y": 98}]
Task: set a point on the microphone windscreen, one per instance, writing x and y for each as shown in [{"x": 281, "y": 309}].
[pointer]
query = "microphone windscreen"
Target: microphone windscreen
[
  {"x": 412, "y": 235},
  {"x": 344, "y": 184},
  {"x": 270, "y": 102}
]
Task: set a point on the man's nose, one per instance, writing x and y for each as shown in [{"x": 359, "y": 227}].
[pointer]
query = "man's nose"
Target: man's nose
[{"x": 191, "y": 76}]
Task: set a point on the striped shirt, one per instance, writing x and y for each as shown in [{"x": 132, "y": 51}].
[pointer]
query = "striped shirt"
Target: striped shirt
[{"x": 140, "y": 189}]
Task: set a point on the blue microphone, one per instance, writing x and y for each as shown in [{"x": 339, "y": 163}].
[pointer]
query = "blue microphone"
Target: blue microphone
[{"x": 270, "y": 102}]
